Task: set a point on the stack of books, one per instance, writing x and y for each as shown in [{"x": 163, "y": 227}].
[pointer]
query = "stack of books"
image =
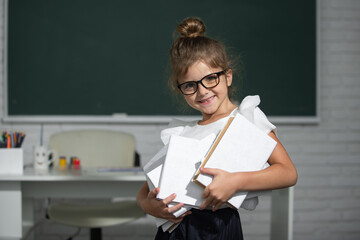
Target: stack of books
[{"x": 239, "y": 147}]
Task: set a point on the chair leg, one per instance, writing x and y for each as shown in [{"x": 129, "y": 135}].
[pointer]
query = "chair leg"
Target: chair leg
[{"x": 95, "y": 234}]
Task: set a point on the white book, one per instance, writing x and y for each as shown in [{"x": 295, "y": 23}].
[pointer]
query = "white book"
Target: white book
[
  {"x": 153, "y": 171},
  {"x": 240, "y": 147},
  {"x": 183, "y": 158}
]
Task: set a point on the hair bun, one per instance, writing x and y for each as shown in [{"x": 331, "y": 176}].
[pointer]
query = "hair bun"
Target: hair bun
[{"x": 191, "y": 27}]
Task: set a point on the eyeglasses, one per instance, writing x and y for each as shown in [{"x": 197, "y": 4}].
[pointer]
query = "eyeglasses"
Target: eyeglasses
[{"x": 209, "y": 81}]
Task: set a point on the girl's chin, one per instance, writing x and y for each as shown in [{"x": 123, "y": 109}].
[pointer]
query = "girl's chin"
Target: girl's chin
[{"x": 207, "y": 110}]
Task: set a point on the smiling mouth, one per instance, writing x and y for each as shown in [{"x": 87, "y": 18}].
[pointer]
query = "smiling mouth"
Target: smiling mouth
[{"x": 207, "y": 100}]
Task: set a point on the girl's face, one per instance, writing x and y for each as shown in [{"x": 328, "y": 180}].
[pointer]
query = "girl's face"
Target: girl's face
[{"x": 211, "y": 101}]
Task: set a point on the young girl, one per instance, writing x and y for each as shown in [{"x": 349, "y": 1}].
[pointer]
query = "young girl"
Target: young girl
[{"x": 202, "y": 73}]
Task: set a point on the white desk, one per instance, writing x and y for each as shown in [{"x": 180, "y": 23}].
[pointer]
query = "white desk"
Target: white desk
[{"x": 18, "y": 191}]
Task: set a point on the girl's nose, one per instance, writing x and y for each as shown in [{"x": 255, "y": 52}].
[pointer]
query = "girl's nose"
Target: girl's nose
[{"x": 202, "y": 90}]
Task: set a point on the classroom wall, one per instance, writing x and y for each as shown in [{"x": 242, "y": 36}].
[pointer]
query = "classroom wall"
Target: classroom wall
[{"x": 327, "y": 155}]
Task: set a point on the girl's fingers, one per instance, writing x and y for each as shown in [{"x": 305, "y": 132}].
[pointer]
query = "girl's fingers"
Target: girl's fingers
[
  {"x": 209, "y": 171},
  {"x": 176, "y": 220},
  {"x": 212, "y": 204},
  {"x": 185, "y": 214},
  {"x": 206, "y": 203},
  {"x": 205, "y": 193},
  {"x": 180, "y": 218},
  {"x": 153, "y": 193},
  {"x": 169, "y": 199},
  {"x": 176, "y": 207},
  {"x": 216, "y": 206}
]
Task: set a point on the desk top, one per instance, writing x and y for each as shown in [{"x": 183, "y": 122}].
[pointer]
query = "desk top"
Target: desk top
[{"x": 85, "y": 174}]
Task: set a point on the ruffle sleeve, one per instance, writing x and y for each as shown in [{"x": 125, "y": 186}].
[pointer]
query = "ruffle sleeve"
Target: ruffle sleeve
[{"x": 250, "y": 110}]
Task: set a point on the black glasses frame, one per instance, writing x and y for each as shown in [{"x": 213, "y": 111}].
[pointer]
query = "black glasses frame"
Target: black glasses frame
[{"x": 200, "y": 81}]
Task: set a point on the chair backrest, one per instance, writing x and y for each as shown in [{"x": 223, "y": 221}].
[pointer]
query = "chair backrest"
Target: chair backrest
[{"x": 95, "y": 148}]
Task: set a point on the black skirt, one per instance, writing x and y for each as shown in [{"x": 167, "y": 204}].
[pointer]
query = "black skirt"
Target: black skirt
[{"x": 223, "y": 224}]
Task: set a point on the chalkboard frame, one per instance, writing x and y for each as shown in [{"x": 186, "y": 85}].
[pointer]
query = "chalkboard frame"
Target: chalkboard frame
[{"x": 145, "y": 118}]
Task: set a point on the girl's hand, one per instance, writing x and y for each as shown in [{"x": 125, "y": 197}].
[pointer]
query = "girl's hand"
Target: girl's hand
[
  {"x": 159, "y": 208},
  {"x": 219, "y": 190}
]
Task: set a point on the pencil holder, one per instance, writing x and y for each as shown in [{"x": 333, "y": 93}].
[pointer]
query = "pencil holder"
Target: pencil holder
[{"x": 11, "y": 161}]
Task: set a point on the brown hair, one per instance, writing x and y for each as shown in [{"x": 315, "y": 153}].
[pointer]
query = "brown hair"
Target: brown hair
[{"x": 192, "y": 45}]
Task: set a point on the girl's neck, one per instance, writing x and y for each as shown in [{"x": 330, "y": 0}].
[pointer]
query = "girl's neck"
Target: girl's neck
[{"x": 207, "y": 119}]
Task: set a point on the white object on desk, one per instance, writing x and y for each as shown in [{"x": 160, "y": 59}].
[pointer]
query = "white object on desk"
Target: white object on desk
[
  {"x": 11, "y": 161},
  {"x": 42, "y": 158}
]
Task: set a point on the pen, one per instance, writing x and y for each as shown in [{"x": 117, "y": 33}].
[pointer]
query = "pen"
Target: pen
[
  {"x": 12, "y": 140},
  {"x": 22, "y": 136},
  {"x": 5, "y": 141},
  {"x": 15, "y": 139},
  {"x": 4, "y": 133},
  {"x": 8, "y": 141}
]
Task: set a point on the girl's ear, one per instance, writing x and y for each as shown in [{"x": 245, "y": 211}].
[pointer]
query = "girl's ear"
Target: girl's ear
[{"x": 229, "y": 76}]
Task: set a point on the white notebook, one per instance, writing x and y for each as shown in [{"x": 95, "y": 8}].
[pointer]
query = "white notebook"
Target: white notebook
[
  {"x": 240, "y": 147},
  {"x": 183, "y": 158},
  {"x": 153, "y": 171}
]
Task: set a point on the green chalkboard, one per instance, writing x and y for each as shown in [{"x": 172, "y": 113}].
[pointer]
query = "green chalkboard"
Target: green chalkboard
[{"x": 99, "y": 57}]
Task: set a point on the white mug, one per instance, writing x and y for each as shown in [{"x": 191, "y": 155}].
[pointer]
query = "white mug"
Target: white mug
[{"x": 41, "y": 158}]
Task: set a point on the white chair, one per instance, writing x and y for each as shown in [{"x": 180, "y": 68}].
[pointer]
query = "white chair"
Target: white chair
[{"x": 95, "y": 148}]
